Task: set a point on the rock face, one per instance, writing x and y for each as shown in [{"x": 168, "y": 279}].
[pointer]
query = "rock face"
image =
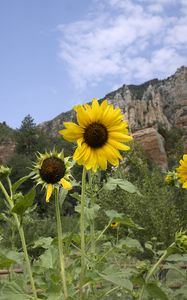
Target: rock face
[
  {"x": 153, "y": 143},
  {"x": 6, "y": 150},
  {"x": 146, "y": 107}
]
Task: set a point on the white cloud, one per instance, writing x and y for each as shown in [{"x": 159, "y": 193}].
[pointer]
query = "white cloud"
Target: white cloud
[{"x": 128, "y": 40}]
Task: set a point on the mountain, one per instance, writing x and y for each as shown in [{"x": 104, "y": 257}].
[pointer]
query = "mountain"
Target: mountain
[{"x": 150, "y": 108}]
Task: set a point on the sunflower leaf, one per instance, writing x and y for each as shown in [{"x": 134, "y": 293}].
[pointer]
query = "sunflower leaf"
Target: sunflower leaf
[
  {"x": 119, "y": 278},
  {"x": 155, "y": 291},
  {"x": 6, "y": 262},
  {"x": 24, "y": 202},
  {"x": 124, "y": 184},
  {"x": 119, "y": 217},
  {"x": 17, "y": 184}
]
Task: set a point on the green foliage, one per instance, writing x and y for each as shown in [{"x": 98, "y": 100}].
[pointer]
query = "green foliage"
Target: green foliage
[
  {"x": 173, "y": 143},
  {"x": 7, "y": 134},
  {"x": 147, "y": 211},
  {"x": 159, "y": 210},
  {"x": 28, "y": 138}
]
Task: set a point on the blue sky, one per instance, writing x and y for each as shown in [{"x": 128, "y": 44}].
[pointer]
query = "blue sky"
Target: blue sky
[{"x": 55, "y": 54}]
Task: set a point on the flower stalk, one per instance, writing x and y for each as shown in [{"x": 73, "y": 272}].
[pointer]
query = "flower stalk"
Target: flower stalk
[
  {"x": 22, "y": 237},
  {"x": 92, "y": 225},
  {"x": 153, "y": 269},
  {"x": 82, "y": 232},
  {"x": 60, "y": 246}
]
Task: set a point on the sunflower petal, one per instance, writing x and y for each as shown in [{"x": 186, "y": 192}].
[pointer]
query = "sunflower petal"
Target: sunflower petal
[
  {"x": 79, "y": 152},
  {"x": 49, "y": 191},
  {"x": 70, "y": 135},
  {"x": 101, "y": 158},
  {"x": 118, "y": 136},
  {"x": 82, "y": 117},
  {"x": 66, "y": 184},
  {"x": 184, "y": 185},
  {"x": 118, "y": 145}
]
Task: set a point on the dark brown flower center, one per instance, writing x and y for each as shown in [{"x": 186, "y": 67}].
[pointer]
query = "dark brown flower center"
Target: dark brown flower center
[
  {"x": 95, "y": 135},
  {"x": 52, "y": 170}
]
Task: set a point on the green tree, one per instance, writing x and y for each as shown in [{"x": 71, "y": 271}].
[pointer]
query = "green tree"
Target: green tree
[{"x": 27, "y": 137}]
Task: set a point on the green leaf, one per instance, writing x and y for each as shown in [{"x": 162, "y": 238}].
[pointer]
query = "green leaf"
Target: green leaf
[
  {"x": 90, "y": 213},
  {"x": 62, "y": 196},
  {"x": 119, "y": 279},
  {"x": 24, "y": 202},
  {"x": 124, "y": 184},
  {"x": 6, "y": 262},
  {"x": 118, "y": 217},
  {"x": 76, "y": 196},
  {"x": 15, "y": 255},
  {"x": 129, "y": 222},
  {"x": 113, "y": 214},
  {"x": 131, "y": 244},
  {"x": 156, "y": 292},
  {"x": 48, "y": 258},
  {"x": 177, "y": 257},
  {"x": 17, "y": 184},
  {"x": 13, "y": 291},
  {"x": 43, "y": 242}
]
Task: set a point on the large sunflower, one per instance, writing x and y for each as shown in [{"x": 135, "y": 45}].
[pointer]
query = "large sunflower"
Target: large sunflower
[
  {"x": 100, "y": 133},
  {"x": 182, "y": 171},
  {"x": 52, "y": 169}
]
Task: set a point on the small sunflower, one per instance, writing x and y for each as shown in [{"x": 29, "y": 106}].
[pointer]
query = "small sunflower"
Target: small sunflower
[
  {"x": 52, "y": 169},
  {"x": 182, "y": 171},
  {"x": 171, "y": 178},
  {"x": 100, "y": 134},
  {"x": 114, "y": 225}
]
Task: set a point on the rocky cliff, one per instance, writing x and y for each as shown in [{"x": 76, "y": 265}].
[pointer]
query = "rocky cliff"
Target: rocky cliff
[{"x": 146, "y": 107}]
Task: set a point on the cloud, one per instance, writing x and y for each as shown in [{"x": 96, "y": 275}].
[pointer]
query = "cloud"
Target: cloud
[{"x": 125, "y": 40}]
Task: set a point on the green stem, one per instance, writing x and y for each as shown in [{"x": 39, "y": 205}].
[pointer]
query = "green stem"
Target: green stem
[
  {"x": 10, "y": 187},
  {"x": 82, "y": 232},
  {"x": 92, "y": 225},
  {"x": 60, "y": 246},
  {"x": 152, "y": 270},
  {"x": 106, "y": 227},
  {"x": 27, "y": 261},
  {"x": 22, "y": 237}
]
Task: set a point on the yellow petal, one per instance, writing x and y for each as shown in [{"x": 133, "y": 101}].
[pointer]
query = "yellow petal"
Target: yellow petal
[
  {"x": 66, "y": 184},
  {"x": 110, "y": 155},
  {"x": 79, "y": 152},
  {"x": 49, "y": 191},
  {"x": 91, "y": 162},
  {"x": 118, "y": 145},
  {"x": 121, "y": 127},
  {"x": 80, "y": 141},
  {"x": 101, "y": 158},
  {"x": 96, "y": 110},
  {"x": 74, "y": 127},
  {"x": 118, "y": 136},
  {"x": 83, "y": 117},
  {"x": 70, "y": 135}
]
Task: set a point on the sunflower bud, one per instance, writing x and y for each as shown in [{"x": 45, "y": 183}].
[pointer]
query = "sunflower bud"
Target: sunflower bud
[
  {"x": 181, "y": 241},
  {"x": 4, "y": 172},
  {"x": 171, "y": 178}
]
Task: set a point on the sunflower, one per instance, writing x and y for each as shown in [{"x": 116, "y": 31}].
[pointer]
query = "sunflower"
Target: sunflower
[
  {"x": 52, "y": 169},
  {"x": 114, "y": 225},
  {"x": 100, "y": 133},
  {"x": 182, "y": 171},
  {"x": 171, "y": 178}
]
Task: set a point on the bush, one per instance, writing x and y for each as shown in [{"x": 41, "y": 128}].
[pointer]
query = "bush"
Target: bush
[{"x": 158, "y": 211}]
